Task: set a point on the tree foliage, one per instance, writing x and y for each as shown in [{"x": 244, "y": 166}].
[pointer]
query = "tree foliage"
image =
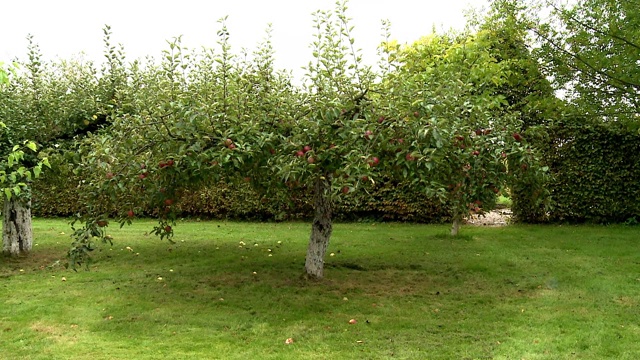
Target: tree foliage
[{"x": 591, "y": 49}]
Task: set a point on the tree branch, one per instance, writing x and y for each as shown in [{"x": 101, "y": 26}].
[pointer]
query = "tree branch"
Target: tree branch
[
  {"x": 592, "y": 68},
  {"x": 589, "y": 27}
]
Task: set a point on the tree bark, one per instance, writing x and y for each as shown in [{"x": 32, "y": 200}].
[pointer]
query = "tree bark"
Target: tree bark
[
  {"x": 17, "y": 233},
  {"x": 320, "y": 229},
  {"x": 456, "y": 224}
]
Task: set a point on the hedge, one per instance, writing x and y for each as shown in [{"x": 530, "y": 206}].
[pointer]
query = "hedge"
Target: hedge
[
  {"x": 57, "y": 194},
  {"x": 595, "y": 170}
]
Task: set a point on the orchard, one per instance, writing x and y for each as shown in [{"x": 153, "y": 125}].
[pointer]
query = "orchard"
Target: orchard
[{"x": 433, "y": 114}]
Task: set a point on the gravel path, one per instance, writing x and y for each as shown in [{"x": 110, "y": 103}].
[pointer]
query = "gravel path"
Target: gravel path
[{"x": 498, "y": 217}]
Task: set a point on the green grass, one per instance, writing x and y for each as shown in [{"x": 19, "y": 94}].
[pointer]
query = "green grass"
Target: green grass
[
  {"x": 504, "y": 201},
  {"x": 520, "y": 292}
]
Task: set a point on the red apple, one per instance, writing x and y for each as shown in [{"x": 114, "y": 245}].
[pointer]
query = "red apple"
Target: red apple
[
  {"x": 409, "y": 157},
  {"x": 102, "y": 223},
  {"x": 168, "y": 202},
  {"x": 162, "y": 164},
  {"x": 110, "y": 175},
  {"x": 487, "y": 131},
  {"x": 345, "y": 190},
  {"x": 380, "y": 119},
  {"x": 272, "y": 151},
  {"x": 167, "y": 229},
  {"x": 142, "y": 176},
  {"x": 170, "y": 162},
  {"x": 299, "y": 153},
  {"x": 517, "y": 137},
  {"x": 459, "y": 137},
  {"x": 476, "y": 153},
  {"x": 365, "y": 178},
  {"x": 368, "y": 134},
  {"x": 306, "y": 149},
  {"x": 479, "y": 132},
  {"x": 228, "y": 142},
  {"x": 311, "y": 160},
  {"x": 130, "y": 213},
  {"x": 416, "y": 114},
  {"x": 374, "y": 161},
  {"x": 231, "y": 146}
]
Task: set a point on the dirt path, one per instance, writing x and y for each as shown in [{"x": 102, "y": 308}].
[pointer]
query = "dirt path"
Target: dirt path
[{"x": 498, "y": 217}]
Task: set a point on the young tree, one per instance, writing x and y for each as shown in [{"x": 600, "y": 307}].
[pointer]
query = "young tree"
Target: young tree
[{"x": 454, "y": 84}]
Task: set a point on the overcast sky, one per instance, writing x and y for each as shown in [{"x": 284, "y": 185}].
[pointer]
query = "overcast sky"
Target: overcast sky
[{"x": 63, "y": 28}]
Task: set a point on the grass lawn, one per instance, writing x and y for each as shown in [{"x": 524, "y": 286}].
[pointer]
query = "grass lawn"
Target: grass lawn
[{"x": 230, "y": 290}]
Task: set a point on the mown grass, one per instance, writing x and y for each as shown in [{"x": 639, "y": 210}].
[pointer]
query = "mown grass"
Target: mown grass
[{"x": 519, "y": 292}]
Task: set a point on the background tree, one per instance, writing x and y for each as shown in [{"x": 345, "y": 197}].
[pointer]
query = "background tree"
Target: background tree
[{"x": 591, "y": 51}]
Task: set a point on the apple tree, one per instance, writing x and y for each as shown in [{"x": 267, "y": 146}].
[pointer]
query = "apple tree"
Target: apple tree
[
  {"x": 206, "y": 115},
  {"x": 19, "y": 166},
  {"x": 45, "y": 106},
  {"x": 475, "y": 142}
]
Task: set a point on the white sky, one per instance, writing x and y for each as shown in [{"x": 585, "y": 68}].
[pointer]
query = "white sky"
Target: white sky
[{"x": 64, "y": 28}]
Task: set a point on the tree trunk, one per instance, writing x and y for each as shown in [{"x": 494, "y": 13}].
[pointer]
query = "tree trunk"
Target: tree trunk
[
  {"x": 17, "y": 234},
  {"x": 320, "y": 229},
  {"x": 456, "y": 224}
]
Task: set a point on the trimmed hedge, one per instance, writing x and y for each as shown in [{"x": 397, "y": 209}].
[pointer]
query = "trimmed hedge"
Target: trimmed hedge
[
  {"x": 56, "y": 194},
  {"x": 595, "y": 170}
]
